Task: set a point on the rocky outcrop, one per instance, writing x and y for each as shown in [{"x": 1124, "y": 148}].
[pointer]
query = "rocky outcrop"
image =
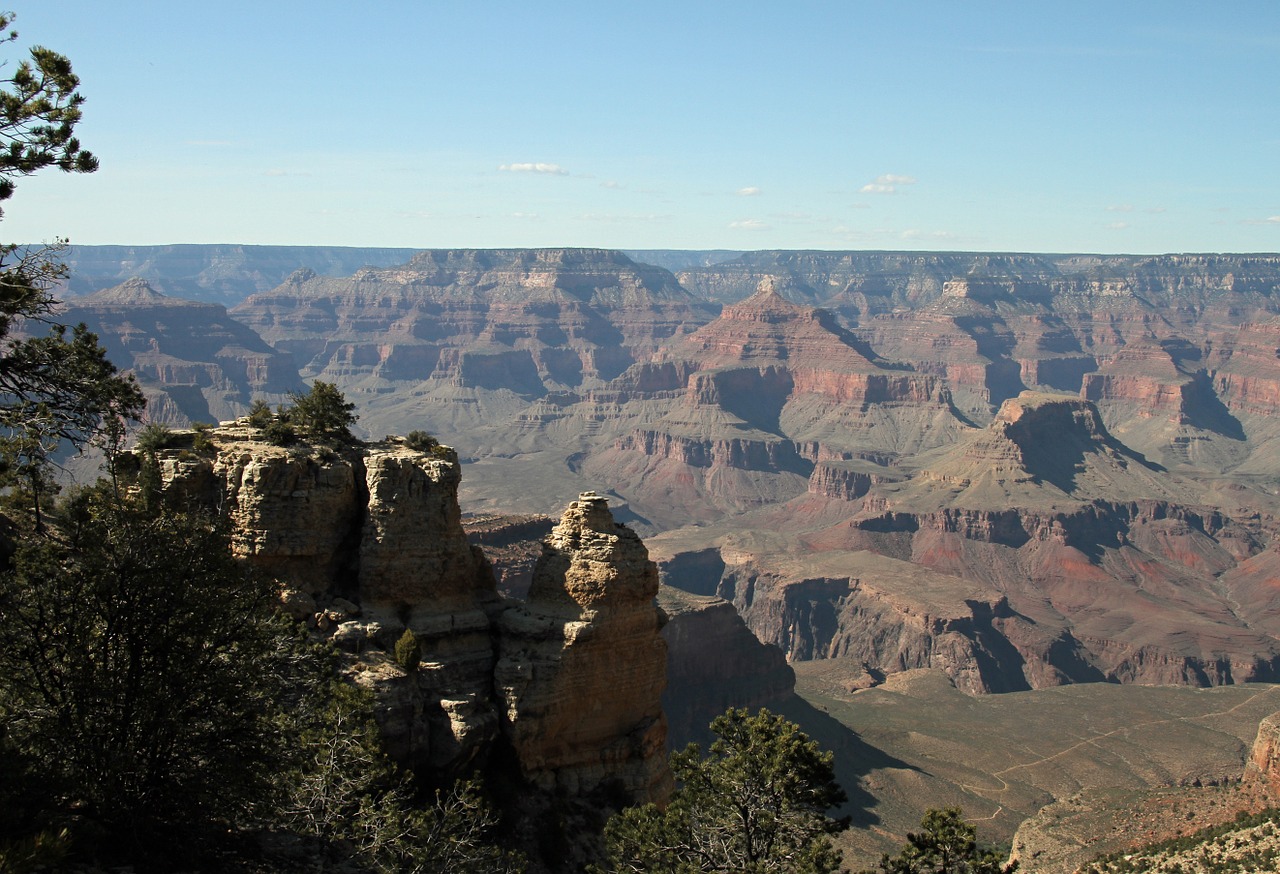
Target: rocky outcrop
[
  {"x": 369, "y": 544},
  {"x": 580, "y": 719},
  {"x": 1263, "y": 768},
  {"x": 512, "y": 544}
]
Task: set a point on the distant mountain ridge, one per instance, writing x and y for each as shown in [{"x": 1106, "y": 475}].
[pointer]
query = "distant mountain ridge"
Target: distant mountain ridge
[{"x": 215, "y": 273}]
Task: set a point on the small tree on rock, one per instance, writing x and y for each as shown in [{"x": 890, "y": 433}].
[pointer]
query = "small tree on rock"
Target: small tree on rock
[
  {"x": 323, "y": 413},
  {"x": 946, "y": 844},
  {"x": 758, "y": 802}
]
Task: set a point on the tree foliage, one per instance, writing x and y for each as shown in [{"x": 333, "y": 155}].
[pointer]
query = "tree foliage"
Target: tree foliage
[
  {"x": 758, "y": 802},
  {"x": 39, "y": 109},
  {"x": 946, "y": 844},
  {"x": 322, "y": 413},
  {"x": 361, "y": 812},
  {"x": 145, "y": 673},
  {"x": 55, "y": 381}
]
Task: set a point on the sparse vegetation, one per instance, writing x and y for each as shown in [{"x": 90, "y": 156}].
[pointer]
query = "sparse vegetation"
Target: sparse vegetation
[
  {"x": 280, "y": 432},
  {"x": 260, "y": 415},
  {"x": 154, "y": 436},
  {"x": 1251, "y": 843},
  {"x": 421, "y": 441}
]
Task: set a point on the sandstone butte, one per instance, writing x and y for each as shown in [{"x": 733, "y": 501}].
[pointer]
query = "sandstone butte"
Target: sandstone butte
[{"x": 368, "y": 542}]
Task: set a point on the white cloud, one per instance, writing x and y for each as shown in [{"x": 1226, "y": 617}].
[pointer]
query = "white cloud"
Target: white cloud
[
  {"x": 1155, "y": 210},
  {"x": 1118, "y": 226},
  {"x": 608, "y": 218},
  {"x": 887, "y": 183},
  {"x": 1274, "y": 218},
  {"x": 279, "y": 172},
  {"x": 1120, "y": 207},
  {"x": 539, "y": 167},
  {"x": 612, "y": 184},
  {"x": 749, "y": 191},
  {"x": 524, "y": 215},
  {"x": 749, "y": 225}
]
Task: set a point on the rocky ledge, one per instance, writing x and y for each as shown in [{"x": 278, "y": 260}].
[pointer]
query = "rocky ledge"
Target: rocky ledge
[{"x": 368, "y": 544}]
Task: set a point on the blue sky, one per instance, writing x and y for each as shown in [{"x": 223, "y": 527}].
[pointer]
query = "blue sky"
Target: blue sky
[{"x": 1003, "y": 126}]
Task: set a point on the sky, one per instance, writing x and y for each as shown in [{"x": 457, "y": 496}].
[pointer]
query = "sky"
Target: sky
[{"x": 1134, "y": 127}]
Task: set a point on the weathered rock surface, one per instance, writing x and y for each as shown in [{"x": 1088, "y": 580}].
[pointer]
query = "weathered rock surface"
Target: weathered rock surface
[
  {"x": 580, "y": 719},
  {"x": 513, "y": 545},
  {"x": 1263, "y": 767},
  {"x": 369, "y": 543},
  {"x": 1036, "y": 552}
]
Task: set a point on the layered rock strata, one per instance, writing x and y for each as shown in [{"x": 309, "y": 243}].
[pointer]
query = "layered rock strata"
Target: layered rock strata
[
  {"x": 579, "y": 718},
  {"x": 193, "y": 362}
]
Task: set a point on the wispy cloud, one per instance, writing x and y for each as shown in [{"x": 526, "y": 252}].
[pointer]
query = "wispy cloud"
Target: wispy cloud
[
  {"x": 612, "y": 184},
  {"x": 1120, "y": 207},
  {"x": 749, "y": 225},
  {"x": 608, "y": 218},
  {"x": 538, "y": 167},
  {"x": 749, "y": 191},
  {"x": 278, "y": 172},
  {"x": 888, "y": 183},
  {"x": 1155, "y": 210},
  {"x": 1118, "y": 226},
  {"x": 524, "y": 215}
]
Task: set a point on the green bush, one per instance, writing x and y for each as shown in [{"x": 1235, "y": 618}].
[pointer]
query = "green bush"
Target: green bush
[
  {"x": 758, "y": 802},
  {"x": 260, "y": 415},
  {"x": 421, "y": 441},
  {"x": 154, "y": 436},
  {"x": 408, "y": 651},
  {"x": 323, "y": 413},
  {"x": 201, "y": 442},
  {"x": 280, "y": 433}
]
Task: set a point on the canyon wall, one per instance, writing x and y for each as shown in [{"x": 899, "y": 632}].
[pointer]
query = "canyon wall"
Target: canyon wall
[{"x": 1074, "y": 452}]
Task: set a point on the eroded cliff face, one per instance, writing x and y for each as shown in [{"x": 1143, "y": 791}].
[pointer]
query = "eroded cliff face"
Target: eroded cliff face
[
  {"x": 1036, "y": 552},
  {"x": 581, "y": 719},
  {"x": 1263, "y": 768},
  {"x": 369, "y": 544},
  {"x": 193, "y": 362}
]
